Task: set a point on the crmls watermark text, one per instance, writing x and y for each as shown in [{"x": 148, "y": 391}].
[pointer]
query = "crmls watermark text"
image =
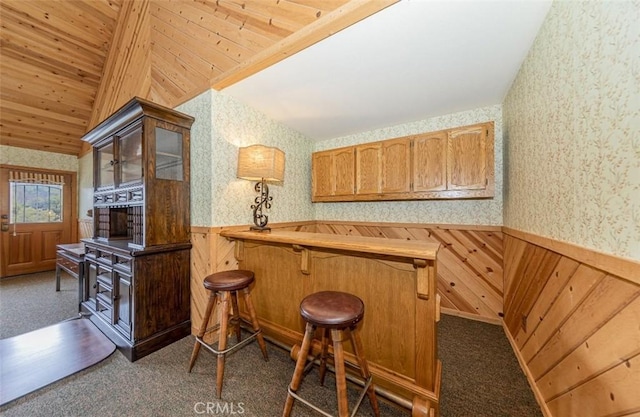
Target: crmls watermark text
[{"x": 219, "y": 408}]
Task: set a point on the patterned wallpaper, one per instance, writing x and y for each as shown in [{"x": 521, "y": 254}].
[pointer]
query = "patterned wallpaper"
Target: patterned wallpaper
[
  {"x": 85, "y": 185},
  {"x": 572, "y": 129},
  {"x": 11, "y": 155},
  {"x": 218, "y": 198},
  {"x": 485, "y": 212}
]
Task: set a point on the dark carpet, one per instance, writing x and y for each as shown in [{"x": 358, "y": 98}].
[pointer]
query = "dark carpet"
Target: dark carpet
[{"x": 481, "y": 376}]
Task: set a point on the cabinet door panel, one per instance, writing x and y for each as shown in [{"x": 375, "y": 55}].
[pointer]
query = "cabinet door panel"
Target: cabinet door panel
[
  {"x": 368, "y": 175},
  {"x": 321, "y": 167},
  {"x": 343, "y": 172},
  {"x": 122, "y": 305},
  {"x": 396, "y": 161},
  {"x": 130, "y": 156},
  {"x": 105, "y": 161},
  {"x": 430, "y": 162},
  {"x": 92, "y": 284},
  {"x": 467, "y": 159}
]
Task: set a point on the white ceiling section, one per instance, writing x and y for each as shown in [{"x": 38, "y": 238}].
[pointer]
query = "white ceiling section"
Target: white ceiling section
[{"x": 413, "y": 60}]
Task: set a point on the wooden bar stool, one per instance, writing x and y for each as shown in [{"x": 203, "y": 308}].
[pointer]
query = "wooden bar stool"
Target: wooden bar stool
[
  {"x": 225, "y": 286},
  {"x": 334, "y": 312}
]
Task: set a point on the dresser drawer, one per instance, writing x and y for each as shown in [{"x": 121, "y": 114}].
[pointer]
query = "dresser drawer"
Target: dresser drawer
[
  {"x": 68, "y": 264},
  {"x": 122, "y": 262}
]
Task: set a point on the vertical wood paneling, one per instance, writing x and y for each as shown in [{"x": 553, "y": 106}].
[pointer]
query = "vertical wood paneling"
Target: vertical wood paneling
[
  {"x": 127, "y": 70},
  {"x": 579, "y": 342}
]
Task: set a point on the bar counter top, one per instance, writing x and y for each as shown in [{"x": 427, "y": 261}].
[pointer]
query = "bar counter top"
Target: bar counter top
[{"x": 390, "y": 247}]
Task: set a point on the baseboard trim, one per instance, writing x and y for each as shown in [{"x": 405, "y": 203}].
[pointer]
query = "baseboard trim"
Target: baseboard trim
[
  {"x": 451, "y": 312},
  {"x": 525, "y": 369}
]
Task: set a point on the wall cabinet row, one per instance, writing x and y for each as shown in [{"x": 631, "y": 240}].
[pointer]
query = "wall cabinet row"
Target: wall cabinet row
[{"x": 453, "y": 163}]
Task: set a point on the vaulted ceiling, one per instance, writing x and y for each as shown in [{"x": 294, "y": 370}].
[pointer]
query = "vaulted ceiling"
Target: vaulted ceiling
[{"x": 66, "y": 65}]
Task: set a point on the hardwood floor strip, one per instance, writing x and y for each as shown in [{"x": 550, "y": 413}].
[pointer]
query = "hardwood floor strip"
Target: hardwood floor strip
[{"x": 33, "y": 360}]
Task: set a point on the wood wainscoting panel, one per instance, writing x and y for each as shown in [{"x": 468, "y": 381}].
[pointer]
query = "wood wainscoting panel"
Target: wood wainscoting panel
[
  {"x": 575, "y": 327},
  {"x": 470, "y": 271},
  {"x": 211, "y": 253},
  {"x": 85, "y": 229}
]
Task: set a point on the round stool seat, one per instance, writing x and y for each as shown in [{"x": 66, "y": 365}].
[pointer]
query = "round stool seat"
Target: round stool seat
[
  {"x": 332, "y": 309},
  {"x": 229, "y": 280}
]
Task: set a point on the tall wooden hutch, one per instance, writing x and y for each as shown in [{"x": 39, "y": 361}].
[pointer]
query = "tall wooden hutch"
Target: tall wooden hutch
[{"x": 136, "y": 281}]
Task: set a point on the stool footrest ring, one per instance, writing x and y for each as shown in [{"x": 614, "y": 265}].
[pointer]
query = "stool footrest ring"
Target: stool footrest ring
[
  {"x": 367, "y": 384},
  {"x": 232, "y": 348}
]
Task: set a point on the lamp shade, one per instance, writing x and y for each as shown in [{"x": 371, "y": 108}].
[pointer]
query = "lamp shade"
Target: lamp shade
[{"x": 257, "y": 162}]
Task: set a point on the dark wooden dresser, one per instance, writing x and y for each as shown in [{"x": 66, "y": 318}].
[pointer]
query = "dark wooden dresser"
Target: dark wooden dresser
[{"x": 137, "y": 265}]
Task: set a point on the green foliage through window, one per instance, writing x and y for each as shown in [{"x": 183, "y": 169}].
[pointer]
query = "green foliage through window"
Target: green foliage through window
[{"x": 35, "y": 203}]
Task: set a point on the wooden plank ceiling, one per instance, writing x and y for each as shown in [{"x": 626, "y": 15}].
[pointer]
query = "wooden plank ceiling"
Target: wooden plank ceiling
[{"x": 66, "y": 65}]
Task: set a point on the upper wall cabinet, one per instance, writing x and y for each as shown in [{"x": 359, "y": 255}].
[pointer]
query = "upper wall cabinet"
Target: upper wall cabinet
[
  {"x": 383, "y": 167},
  {"x": 335, "y": 178},
  {"x": 467, "y": 159},
  {"x": 448, "y": 164}
]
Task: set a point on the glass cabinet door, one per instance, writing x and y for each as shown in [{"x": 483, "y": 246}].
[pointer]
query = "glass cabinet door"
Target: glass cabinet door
[
  {"x": 168, "y": 155},
  {"x": 130, "y": 156},
  {"x": 106, "y": 161}
]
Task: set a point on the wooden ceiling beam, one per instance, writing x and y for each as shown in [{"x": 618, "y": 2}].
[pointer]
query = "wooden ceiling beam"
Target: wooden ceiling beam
[
  {"x": 131, "y": 35},
  {"x": 333, "y": 22}
]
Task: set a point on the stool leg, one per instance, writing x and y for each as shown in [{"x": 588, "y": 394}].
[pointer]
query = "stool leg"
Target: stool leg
[
  {"x": 255, "y": 323},
  {"x": 300, "y": 364},
  {"x": 236, "y": 314},
  {"x": 341, "y": 378},
  {"x": 222, "y": 341},
  {"x": 364, "y": 369},
  {"x": 203, "y": 328},
  {"x": 323, "y": 354}
]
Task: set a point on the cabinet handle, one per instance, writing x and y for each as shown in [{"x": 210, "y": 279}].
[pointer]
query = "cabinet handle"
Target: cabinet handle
[
  {"x": 113, "y": 162},
  {"x": 95, "y": 286}
]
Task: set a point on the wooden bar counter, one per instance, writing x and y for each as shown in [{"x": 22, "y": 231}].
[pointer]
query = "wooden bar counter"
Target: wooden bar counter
[{"x": 395, "y": 278}]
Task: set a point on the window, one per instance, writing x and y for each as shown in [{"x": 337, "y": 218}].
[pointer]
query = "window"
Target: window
[{"x": 35, "y": 203}]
